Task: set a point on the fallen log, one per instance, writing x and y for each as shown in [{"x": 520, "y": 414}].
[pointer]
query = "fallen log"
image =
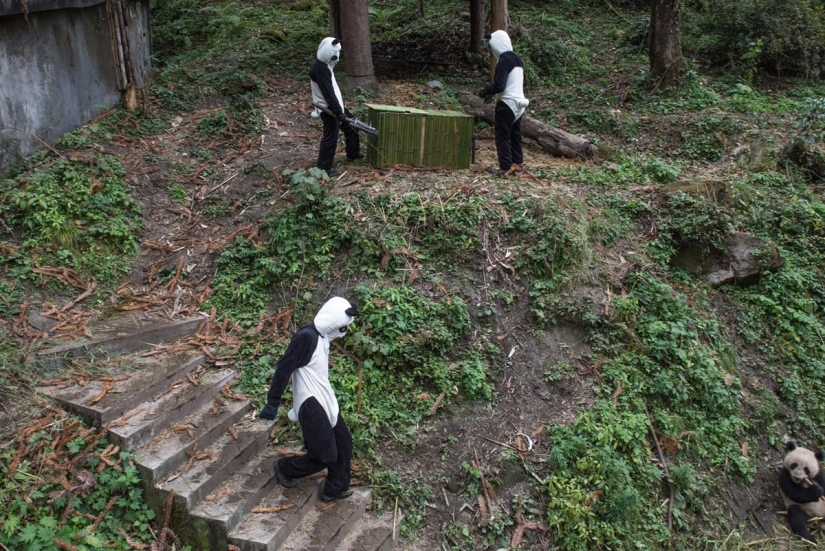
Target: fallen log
[{"x": 552, "y": 140}]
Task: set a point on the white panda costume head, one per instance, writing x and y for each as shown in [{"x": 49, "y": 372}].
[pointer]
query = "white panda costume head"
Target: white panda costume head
[
  {"x": 500, "y": 43},
  {"x": 329, "y": 51},
  {"x": 334, "y": 318}
]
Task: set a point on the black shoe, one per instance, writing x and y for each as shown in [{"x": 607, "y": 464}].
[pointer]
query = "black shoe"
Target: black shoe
[
  {"x": 284, "y": 480},
  {"x": 332, "y": 173},
  {"x": 498, "y": 171},
  {"x": 344, "y": 495},
  {"x": 353, "y": 159}
]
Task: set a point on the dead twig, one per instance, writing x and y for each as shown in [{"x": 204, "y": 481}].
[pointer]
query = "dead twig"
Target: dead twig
[{"x": 664, "y": 469}]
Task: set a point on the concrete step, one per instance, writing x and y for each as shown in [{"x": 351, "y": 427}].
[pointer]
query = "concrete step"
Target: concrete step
[
  {"x": 226, "y": 457},
  {"x": 146, "y": 378},
  {"x": 122, "y": 339},
  {"x": 247, "y": 487},
  {"x": 167, "y": 452},
  {"x": 268, "y": 531},
  {"x": 327, "y": 524},
  {"x": 372, "y": 533},
  {"x": 172, "y": 406}
]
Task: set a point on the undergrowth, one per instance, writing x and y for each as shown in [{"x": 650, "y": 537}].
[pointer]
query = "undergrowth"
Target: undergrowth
[
  {"x": 71, "y": 213},
  {"x": 64, "y": 488}
]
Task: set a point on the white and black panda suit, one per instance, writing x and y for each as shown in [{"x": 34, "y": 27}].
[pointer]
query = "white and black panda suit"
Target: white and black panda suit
[
  {"x": 508, "y": 87},
  {"x": 802, "y": 484},
  {"x": 325, "y": 93},
  {"x": 327, "y": 438}
]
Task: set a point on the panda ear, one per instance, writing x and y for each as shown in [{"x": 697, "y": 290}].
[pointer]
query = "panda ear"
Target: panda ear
[
  {"x": 488, "y": 36},
  {"x": 789, "y": 446},
  {"x": 819, "y": 455},
  {"x": 335, "y": 42}
]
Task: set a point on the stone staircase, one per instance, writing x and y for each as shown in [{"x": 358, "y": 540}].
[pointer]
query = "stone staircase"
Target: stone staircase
[{"x": 192, "y": 436}]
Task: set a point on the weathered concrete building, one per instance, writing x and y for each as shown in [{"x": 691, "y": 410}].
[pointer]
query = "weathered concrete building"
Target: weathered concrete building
[{"x": 62, "y": 62}]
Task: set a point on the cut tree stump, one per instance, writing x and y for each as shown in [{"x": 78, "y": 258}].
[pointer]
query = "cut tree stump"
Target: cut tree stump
[{"x": 552, "y": 140}]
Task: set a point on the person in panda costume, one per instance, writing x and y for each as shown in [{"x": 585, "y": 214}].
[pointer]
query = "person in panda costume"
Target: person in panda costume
[
  {"x": 802, "y": 485},
  {"x": 326, "y": 436},
  {"x": 326, "y": 94},
  {"x": 508, "y": 89}
]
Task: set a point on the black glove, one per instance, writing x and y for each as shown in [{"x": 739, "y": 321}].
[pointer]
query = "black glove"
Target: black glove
[
  {"x": 342, "y": 117},
  {"x": 483, "y": 93},
  {"x": 269, "y": 412},
  {"x": 348, "y": 114}
]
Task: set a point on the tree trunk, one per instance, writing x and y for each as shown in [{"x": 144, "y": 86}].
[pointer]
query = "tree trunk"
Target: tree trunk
[
  {"x": 356, "y": 46},
  {"x": 665, "y": 47},
  {"x": 335, "y": 18},
  {"x": 498, "y": 22},
  {"x": 552, "y": 140},
  {"x": 476, "y": 26}
]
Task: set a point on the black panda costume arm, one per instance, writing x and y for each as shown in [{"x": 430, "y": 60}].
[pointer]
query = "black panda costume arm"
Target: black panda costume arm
[
  {"x": 298, "y": 354},
  {"x": 507, "y": 61},
  {"x": 322, "y": 76},
  {"x": 798, "y": 492}
]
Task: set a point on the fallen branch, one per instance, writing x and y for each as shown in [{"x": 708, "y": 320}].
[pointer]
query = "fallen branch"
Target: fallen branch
[
  {"x": 552, "y": 140},
  {"x": 276, "y": 509}
]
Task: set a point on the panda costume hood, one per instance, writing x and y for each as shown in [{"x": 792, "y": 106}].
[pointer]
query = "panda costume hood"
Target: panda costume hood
[
  {"x": 802, "y": 485},
  {"x": 508, "y": 82},
  {"x": 325, "y": 91},
  {"x": 306, "y": 360}
]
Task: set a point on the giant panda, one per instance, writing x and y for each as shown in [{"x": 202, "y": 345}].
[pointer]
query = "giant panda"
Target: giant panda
[{"x": 802, "y": 484}]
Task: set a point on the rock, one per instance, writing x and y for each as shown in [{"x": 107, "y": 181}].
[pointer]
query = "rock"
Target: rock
[
  {"x": 747, "y": 256},
  {"x": 41, "y": 323},
  {"x": 435, "y": 85}
]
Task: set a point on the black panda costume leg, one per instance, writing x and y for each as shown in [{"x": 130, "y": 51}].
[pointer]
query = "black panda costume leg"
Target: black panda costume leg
[
  {"x": 505, "y": 119},
  {"x": 328, "y": 448},
  {"x": 329, "y": 142}
]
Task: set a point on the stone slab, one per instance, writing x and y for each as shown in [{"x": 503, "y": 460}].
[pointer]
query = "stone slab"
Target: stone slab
[
  {"x": 228, "y": 455},
  {"x": 168, "y": 451},
  {"x": 372, "y": 533},
  {"x": 268, "y": 531},
  {"x": 146, "y": 377},
  {"x": 324, "y": 528},
  {"x": 247, "y": 489},
  {"x": 172, "y": 406},
  {"x": 121, "y": 341}
]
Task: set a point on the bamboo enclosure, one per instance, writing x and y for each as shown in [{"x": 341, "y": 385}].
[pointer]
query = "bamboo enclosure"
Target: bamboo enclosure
[{"x": 414, "y": 137}]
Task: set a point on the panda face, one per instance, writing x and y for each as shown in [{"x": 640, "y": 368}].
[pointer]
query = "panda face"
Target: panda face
[{"x": 801, "y": 463}]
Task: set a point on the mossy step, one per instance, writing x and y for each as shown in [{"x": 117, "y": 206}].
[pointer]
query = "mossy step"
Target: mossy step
[
  {"x": 244, "y": 491},
  {"x": 326, "y": 526},
  {"x": 372, "y": 533},
  {"x": 170, "y": 407},
  {"x": 143, "y": 378},
  {"x": 120, "y": 340},
  {"x": 168, "y": 451},
  {"x": 229, "y": 454},
  {"x": 267, "y": 531}
]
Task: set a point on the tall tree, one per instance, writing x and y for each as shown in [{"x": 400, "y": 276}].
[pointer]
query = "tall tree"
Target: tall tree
[
  {"x": 355, "y": 41},
  {"x": 476, "y": 25},
  {"x": 498, "y": 22},
  {"x": 335, "y": 18},
  {"x": 666, "y": 62}
]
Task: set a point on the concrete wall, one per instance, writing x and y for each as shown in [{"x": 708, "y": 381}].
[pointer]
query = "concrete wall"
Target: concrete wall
[{"x": 58, "y": 70}]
